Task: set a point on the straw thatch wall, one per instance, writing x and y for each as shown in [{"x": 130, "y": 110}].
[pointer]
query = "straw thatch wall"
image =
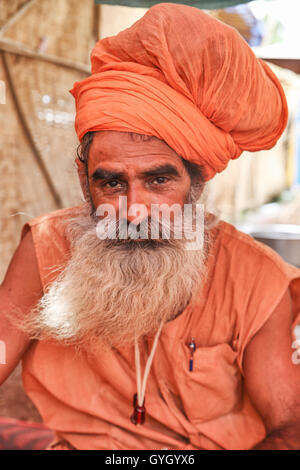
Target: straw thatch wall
[{"x": 44, "y": 50}]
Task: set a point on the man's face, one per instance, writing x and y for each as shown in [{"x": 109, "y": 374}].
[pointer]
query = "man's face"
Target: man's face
[
  {"x": 145, "y": 171},
  {"x": 112, "y": 292}
]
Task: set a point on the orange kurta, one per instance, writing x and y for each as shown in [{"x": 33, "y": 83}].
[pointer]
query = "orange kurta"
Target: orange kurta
[{"x": 87, "y": 399}]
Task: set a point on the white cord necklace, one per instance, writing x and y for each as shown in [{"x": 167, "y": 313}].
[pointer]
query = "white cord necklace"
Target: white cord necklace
[{"x": 139, "y": 411}]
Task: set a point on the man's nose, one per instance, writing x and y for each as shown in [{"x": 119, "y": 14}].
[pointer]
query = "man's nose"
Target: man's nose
[{"x": 138, "y": 204}]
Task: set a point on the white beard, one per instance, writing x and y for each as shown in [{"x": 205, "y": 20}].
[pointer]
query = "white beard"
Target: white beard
[{"x": 111, "y": 294}]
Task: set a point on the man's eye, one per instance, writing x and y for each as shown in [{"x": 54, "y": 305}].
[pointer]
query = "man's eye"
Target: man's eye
[
  {"x": 160, "y": 180},
  {"x": 111, "y": 184}
]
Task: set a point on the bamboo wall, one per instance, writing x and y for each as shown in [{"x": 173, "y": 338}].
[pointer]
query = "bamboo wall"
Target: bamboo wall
[{"x": 43, "y": 51}]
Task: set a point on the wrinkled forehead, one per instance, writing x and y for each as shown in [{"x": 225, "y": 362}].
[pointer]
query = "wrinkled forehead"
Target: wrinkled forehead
[{"x": 125, "y": 148}]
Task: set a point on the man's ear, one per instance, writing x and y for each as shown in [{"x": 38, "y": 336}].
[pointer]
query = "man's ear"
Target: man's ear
[{"x": 81, "y": 170}]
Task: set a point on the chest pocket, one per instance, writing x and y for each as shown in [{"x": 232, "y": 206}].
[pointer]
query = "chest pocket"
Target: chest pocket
[{"x": 213, "y": 388}]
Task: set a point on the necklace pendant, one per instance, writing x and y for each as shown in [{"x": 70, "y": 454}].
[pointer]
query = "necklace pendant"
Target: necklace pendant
[{"x": 139, "y": 412}]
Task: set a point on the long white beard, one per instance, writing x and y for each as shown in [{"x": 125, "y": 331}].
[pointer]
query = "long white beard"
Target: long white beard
[{"x": 110, "y": 294}]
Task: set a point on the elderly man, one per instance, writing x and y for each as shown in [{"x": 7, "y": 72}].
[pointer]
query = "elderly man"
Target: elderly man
[{"x": 134, "y": 341}]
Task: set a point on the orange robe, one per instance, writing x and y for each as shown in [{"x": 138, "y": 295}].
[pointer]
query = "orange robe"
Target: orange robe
[{"x": 87, "y": 399}]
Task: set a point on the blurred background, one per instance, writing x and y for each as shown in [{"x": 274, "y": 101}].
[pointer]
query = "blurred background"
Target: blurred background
[{"x": 45, "y": 47}]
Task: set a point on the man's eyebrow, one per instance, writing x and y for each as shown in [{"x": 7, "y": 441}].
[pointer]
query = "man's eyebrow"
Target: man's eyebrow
[
  {"x": 167, "y": 169},
  {"x": 101, "y": 174}
]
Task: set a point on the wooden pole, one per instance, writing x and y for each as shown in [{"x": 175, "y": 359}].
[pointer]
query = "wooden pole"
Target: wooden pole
[
  {"x": 15, "y": 47},
  {"x": 16, "y": 16}
]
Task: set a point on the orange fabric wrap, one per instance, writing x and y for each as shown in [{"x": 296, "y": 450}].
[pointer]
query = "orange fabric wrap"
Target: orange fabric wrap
[{"x": 188, "y": 79}]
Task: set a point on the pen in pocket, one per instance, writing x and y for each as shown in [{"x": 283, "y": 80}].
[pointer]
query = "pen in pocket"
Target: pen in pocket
[{"x": 192, "y": 347}]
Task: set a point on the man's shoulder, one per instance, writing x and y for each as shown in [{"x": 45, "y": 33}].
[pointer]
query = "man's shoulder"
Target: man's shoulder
[
  {"x": 248, "y": 252},
  {"x": 49, "y": 239},
  {"x": 45, "y": 226},
  {"x": 53, "y": 216}
]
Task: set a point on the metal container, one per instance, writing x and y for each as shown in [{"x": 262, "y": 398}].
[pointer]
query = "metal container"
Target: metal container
[{"x": 283, "y": 238}]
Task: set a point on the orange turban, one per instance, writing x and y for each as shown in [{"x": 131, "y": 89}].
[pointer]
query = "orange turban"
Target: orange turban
[{"x": 188, "y": 79}]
